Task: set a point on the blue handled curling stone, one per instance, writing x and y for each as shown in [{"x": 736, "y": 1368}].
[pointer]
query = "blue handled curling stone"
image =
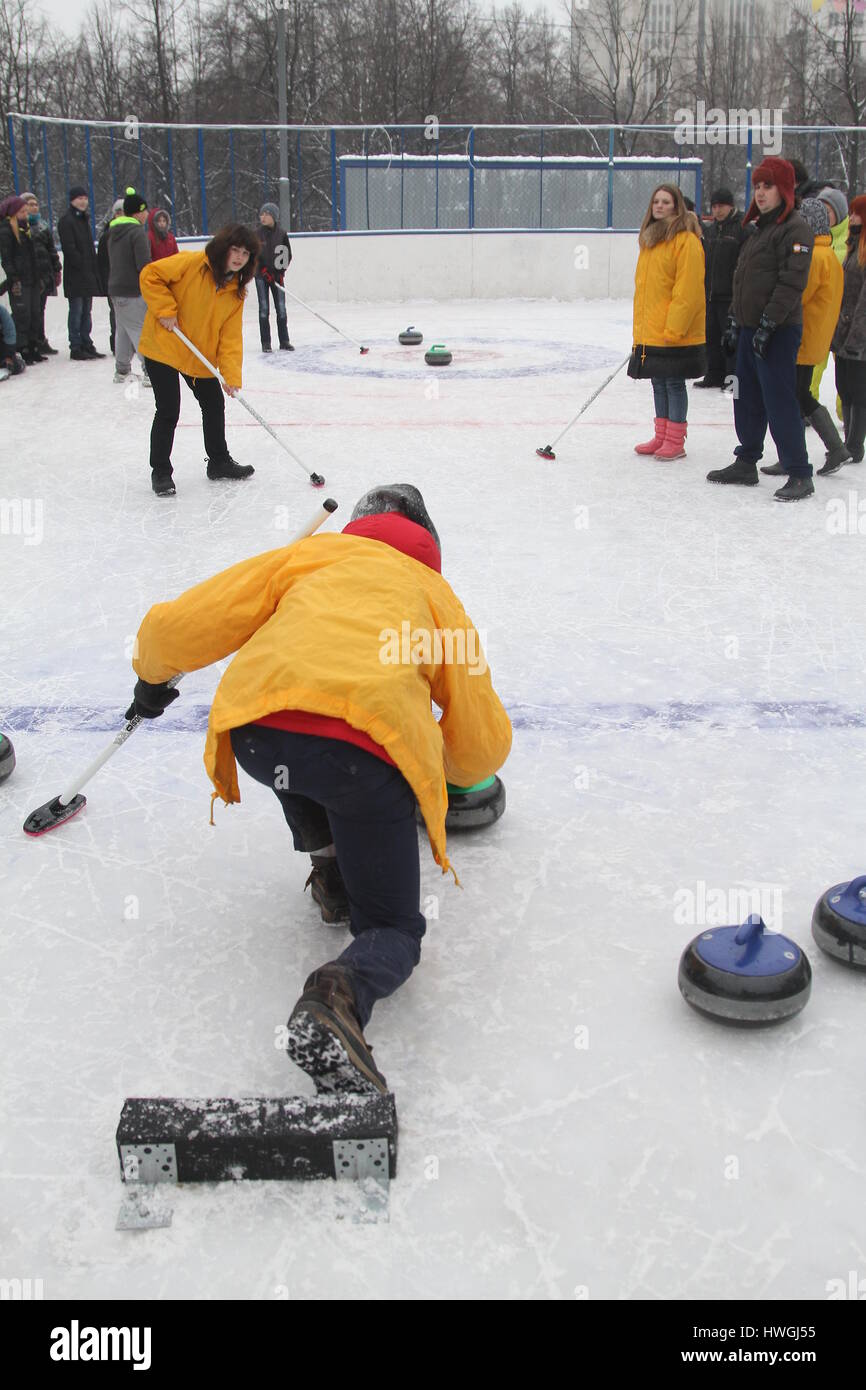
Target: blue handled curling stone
[
  {"x": 410, "y": 337},
  {"x": 7, "y": 758},
  {"x": 839, "y": 922},
  {"x": 745, "y": 975},
  {"x": 437, "y": 356}
]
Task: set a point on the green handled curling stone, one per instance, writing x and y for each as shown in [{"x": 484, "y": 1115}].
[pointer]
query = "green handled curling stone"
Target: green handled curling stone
[
  {"x": 470, "y": 807},
  {"x": 745, "y": 975},
  {"x": 437, "y": 356},
  {"x": 410, "y": 337},
  {"x": 839, "y": 922},
  {"x": 7, "y": 757}
]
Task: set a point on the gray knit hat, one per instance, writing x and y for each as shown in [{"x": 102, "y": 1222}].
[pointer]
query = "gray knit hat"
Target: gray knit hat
[
  {"x": 835, "y": 198},
  {"x": 813, "y": 211},
  {"x": 272, "y": 209}
]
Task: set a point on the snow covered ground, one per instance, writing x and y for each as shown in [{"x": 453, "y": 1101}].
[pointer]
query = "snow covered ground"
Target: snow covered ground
[{"x": 684, "y": 669}]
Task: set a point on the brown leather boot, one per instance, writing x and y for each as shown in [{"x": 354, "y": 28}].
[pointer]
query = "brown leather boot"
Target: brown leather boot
[
  {"x": 325, "y": 1038},
  {"x": 328, "y": 889}
]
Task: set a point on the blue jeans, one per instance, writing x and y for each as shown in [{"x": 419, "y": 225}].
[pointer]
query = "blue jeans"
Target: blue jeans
[
  {"x": 7, "y": 328},
  {"x": 262, "y": 288},
  {"x": 80, "y": 322},
  {"x": 766, "y": 394},
  {"x": 340, "y": 793},
  {"x": 671, "y": 398}
]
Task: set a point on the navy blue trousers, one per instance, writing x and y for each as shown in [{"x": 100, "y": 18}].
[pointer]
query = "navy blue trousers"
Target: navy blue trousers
[
  {"x": 766, "y": 394},
  {"x": 332, "y": 791}
]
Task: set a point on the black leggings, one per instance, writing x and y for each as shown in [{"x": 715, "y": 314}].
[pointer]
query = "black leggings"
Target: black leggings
[
  {"x": 806, "y": 401},
  {"x": 165, "y": 381}
]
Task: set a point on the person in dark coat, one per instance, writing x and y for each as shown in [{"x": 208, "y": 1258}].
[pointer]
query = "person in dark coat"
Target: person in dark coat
[
  {"x": 273, "y": 262},
  {"x": 765, "y": 327},
  {"x": 722, "y": 241},
  {"x": 80, "y": 274},
  {"x": 159, "y": 234},
  {"x": 48, "y": 265},
  {"x": 805, "y": 185},
  {"x": 849, "y": 339},
  {"x": 18, "y": 259}
]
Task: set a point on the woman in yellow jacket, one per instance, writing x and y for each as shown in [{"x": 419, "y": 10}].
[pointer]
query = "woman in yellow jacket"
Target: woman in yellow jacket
[
  {"x": 342, "y": 641},
  {"x": 822, "y": 300},
  {"x": 202, "y": 293},
  {"x": 669, "y": 315}
]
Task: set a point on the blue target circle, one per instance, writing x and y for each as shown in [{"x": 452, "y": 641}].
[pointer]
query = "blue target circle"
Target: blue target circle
[{"x": 475, "y": 359}]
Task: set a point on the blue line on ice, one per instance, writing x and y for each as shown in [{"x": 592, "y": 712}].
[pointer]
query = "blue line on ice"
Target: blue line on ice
[{"x": 599, "y": 716}]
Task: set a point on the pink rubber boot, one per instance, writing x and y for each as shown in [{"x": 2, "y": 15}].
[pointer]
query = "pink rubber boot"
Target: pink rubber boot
[
  {"x": 653, "y": 444},
  {"x": 675, "y": 436}
]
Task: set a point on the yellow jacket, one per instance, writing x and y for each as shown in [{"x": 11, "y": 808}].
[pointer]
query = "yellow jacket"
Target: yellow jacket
[
  {"x": 669, "y": 301},
  {"x": 822, "y": 300},
  {"x": 183, "y": 287},
  {"x": 313, "y": 625}
]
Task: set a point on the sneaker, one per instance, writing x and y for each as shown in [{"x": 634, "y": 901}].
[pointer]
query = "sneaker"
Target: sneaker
[
  {"x": 746, "y": 474},
  {"x": 163, "y": 486},
  {"x": 228, "y": 468},
  {"x": 31, "y": 356},
  {"x": 14, "y": 363},
  {"x": 328, "y": 889},
  {"x": 80, "y": 354},
  {"x": 46, "y": 349},
  {"x": 795, "y": 490},
  {"x": 709, "y": 383},
  {"x": 324, "y": 1037},
  {"x": 92, "y": 350},
  {"x": 120, "y": 377},
  {"x": 4, "y": 373}
]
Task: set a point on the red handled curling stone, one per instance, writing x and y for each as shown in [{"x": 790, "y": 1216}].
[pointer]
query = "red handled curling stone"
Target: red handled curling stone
[
  {"x": 745, "y": 975},
  {"x": 839, "y": 922},
  {"x": 546, "y": 452},
  {"x": 7, "y": 757},
  {"x": 410, "y": 337}
]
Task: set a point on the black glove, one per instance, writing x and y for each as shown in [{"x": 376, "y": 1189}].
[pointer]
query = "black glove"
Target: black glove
[
  {"x": 763, "y": 333},
  {"x": 731, "y": 336},
  {"x": 149, "y": 701}
]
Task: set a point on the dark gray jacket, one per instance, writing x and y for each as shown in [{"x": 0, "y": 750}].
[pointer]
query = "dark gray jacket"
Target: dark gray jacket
[
  {"x": 849, "y": 340},
  {"x": 128, "y": 254},
  {"x": 772, "y": 270}
]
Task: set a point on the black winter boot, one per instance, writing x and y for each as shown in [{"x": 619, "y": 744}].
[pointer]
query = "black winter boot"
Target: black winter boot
[
  {"x": 795, "y": 490},
  {"x": 746, "y": 474},
  {"x": 328, "y": 889},
  {"x": 775, "y": 470},
  {"x": 837, "y": 452},
  {"x": 228, "y": 468},
  {"x": 856, "y": 433},
  {"x": 325, "y": 1038}
]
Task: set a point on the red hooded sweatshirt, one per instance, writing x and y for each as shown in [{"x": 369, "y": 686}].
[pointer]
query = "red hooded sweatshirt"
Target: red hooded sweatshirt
[{"x": 160, "y": 245}]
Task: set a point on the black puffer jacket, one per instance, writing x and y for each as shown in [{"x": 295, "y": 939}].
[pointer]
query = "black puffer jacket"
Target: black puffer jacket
[
  {"x": 17, "y": 254},
  {"x": 722, "y": 242},
  {"x": 773, "y": 269},
  {"x": 80, "y": 271},
  {"x": 849, "y": 340},
  {"x": 47, "y": 259},
  {"x": 271, "y": 238}
]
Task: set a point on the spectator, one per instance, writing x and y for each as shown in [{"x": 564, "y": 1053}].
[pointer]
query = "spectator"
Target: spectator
[
  {"x": 274, "y": 260},
  {"x": 766, "y": 327},
  {"x": 160, "y": 235},
  {"x": 669, "y": 316},
  {"x": 105, "y": 268},
  {"x": 822, "y": 299},
  {"x": 849, "y": 340},
  {"x": 722, "y": 241},
  {"x": 836, "y": 204},
  {"x": 128, "y": 254},
  {"x": 202, "y": 293},
  {"x": 18, "y": 260},
  {"x": 47, "y": 265},
  {"x": 81, "y": 280},
  {"x": 805, "y": 185},
  {"x": 11, "y": 362}
]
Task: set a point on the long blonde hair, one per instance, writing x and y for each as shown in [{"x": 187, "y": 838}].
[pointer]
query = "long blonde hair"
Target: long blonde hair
[{"x": 653, "y": 230}]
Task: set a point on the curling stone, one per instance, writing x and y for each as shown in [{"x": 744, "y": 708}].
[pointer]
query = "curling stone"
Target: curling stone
[
  {"x": 437, "y": 356},
  {"x": 470, "y": 807},
  {"x": 745, "y": 975},
  {"x": 839, "y": 922},
  {"x": 410, "y": 337},
  {"x": 7, "y": 758}
]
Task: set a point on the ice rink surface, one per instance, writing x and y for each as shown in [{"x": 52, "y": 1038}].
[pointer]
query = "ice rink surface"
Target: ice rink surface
[{"x": 684, "y": 667}]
